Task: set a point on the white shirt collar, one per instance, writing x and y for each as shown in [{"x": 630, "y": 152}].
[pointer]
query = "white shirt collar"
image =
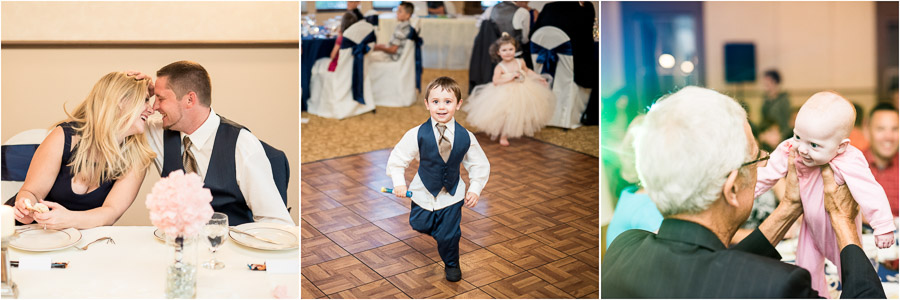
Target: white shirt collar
[{"x": 206, "y": 130}]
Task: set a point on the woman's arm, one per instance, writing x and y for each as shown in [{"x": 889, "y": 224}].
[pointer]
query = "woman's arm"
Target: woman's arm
[
  {"x": 41, "y": 174},
  {"x": 119, "y": 199},
  {"x": 335, "y": 49}
]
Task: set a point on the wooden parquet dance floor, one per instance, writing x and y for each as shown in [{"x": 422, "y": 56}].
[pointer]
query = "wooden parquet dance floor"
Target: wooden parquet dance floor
[{"x": 534, "y": 233}]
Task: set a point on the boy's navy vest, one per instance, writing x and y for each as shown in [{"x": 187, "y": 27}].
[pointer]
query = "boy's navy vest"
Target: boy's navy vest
[
  {"x": 433, "y": 171},
  {"x": 220, "y": 175}
]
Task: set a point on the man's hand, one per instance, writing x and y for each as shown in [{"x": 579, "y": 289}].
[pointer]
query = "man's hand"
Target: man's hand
[
  {"x": 471, "y": 199},
  {"x": 792, "y": 186},
  {"x": 400, "y": 191},
  {"x": 841, "y": 208},
  {"x": 838, "y": 201},
  {"x": 140, "y": 76}
]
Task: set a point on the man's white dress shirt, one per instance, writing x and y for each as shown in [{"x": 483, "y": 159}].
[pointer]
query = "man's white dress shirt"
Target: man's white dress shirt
[{"x": 253, "y": 171}]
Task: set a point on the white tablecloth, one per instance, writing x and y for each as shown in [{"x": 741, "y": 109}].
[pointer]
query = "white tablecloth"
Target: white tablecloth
[
  {"x": 447, "y": 42},
  {"x": 135, "y": 267}
]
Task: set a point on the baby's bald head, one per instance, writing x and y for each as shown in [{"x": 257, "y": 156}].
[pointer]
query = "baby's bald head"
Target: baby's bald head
[{"x": 828, "y": 111}]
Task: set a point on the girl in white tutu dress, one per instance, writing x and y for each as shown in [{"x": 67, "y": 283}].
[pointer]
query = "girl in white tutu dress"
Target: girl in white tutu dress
[{"x": 518, "y": 101}]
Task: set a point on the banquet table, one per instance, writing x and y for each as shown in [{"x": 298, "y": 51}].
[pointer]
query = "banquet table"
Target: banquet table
[
  {"x": 311, "y": 49},
  {"x": 135, "y": 267},
  {"x": 447, "y": 42}
]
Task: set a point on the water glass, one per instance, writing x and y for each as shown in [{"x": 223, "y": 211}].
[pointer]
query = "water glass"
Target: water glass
[{"x": 215, "y": 230}]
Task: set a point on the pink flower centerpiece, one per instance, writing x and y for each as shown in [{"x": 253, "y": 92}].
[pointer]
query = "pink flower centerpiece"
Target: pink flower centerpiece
[{"x": 179, "y": 205}]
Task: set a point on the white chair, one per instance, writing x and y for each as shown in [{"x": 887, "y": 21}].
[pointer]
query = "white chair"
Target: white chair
[
  {"x": 17, "y": 153},
  {"x": 331, "y": 93},
  {"x": 571, "y": 99},
  {"x": 395, "y": 81}
]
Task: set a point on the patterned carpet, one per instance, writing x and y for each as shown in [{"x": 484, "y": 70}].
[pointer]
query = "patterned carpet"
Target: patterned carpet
[{"x": 323, "y": 138}]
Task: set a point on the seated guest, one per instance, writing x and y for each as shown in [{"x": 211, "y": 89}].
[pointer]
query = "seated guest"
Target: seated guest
[
  {"x": 88, "y": 171},
  {"x": 347, "y": 20},
  {"x": 697, "y": 158},
  {"x": 392, "y": 50},
  {"x": 436, "y": 8},
  {"x": 634, "y": 209},
  {"x": 192, "y": 137},
  {"x": 777, "y": 103},
  {"x": 882, "y": 153}
]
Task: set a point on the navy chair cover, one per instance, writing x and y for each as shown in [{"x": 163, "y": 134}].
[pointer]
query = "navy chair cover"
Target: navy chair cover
[{"x": 359, "y": 53}]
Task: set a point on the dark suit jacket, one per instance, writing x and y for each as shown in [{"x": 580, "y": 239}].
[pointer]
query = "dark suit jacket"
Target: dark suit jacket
[
  {"x": 686, "y": 260},
  {"x": 577, "y": 22}
]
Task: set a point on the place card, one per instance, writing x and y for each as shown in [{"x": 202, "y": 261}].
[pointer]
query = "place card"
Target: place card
[
  {"x": 282, "y": 266},
  {"x": 34, "y": 263}
]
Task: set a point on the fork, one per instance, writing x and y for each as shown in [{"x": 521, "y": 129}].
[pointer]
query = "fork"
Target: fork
[{"x": 108, "y": 241}]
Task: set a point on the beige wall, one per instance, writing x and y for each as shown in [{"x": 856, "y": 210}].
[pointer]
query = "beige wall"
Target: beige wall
[
  {"x": 257, "y": 87},
  {"x": 149, "y": 21},
  {"x": 815, "y": 46}
]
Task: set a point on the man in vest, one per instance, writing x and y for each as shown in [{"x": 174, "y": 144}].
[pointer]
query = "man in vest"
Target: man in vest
[
  {"x": 192, "y": 137},
  {"x": 440, "y": 145}
]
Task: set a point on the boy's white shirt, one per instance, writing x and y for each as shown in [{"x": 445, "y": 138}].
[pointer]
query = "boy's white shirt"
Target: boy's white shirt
[{"x": 475, "y": 161}]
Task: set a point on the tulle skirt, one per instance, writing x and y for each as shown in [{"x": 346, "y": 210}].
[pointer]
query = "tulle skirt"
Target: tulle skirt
[{"x": 515, "y": 108}]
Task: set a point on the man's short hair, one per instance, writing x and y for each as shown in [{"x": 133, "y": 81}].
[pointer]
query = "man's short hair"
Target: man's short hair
[
  {"x": 774, "y": 75},
  {"x": 882, "y": 106},
  {"x": 407, "y": 7},
  {"x": 186, "y": 76},
  {"x": 690, "y": 141},
  {"x": 445, "y": 83}
]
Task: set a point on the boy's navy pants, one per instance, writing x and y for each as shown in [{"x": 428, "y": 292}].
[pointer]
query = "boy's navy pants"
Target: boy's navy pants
[{"x": 443, "y": 226}]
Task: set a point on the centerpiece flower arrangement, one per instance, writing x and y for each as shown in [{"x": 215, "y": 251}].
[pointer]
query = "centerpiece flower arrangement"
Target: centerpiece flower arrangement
[{"x": 180, "y": 207}]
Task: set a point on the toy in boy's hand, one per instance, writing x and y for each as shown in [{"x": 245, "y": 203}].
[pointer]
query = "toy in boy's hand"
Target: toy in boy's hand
[
  {"x": 40, "y": 207},
  {"x": 388, "y": 190}
]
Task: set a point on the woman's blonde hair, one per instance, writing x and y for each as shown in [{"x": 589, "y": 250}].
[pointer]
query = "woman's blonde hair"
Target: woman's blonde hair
[{"x": 114, "y": 103}]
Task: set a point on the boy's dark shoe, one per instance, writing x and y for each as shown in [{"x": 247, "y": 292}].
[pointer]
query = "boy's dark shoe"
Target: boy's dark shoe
[{"x": 454, "y": 274}]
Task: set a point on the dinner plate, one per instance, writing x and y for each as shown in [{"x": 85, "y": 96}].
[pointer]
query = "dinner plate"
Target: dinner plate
[
  {"x": 34, "y": 237},
  {"x": 288, "y": 237},
  {"x": 160, "y": 235}
]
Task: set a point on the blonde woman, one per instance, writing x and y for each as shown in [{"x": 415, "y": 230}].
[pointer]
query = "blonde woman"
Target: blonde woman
[{"x": 89, "y": 169}]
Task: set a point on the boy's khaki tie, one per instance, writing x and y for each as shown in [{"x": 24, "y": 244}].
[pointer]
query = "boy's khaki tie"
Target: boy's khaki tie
[
  {"x": 187, "y": 159},
  {"x": 444, "y": 144}
]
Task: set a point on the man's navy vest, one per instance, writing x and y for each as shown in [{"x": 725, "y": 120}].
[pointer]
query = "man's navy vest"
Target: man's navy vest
[
  {"x": 433, "y": 171},
  {"x": 220, "y": 175}
]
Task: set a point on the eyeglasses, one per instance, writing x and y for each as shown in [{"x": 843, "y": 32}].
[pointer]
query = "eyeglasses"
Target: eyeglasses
[{"x": 762, "y": 160}]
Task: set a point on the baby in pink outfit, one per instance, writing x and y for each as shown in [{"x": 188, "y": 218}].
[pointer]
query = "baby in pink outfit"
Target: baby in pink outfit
[{"x": 821, "y": 134}]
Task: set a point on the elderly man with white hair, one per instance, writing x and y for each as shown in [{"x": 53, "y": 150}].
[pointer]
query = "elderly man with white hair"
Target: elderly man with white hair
[{"x": 697, "y": 159}]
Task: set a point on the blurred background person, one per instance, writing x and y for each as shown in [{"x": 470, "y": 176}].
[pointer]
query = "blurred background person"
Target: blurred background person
[
  {"x": 882, "y": 153},
  {"x": 776, "y": 103}
]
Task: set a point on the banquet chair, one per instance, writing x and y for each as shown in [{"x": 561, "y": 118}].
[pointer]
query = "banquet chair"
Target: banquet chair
[
  {"x": 347, "y": 91},
  {"x": 16, "y": 155},
  {"x": 551, "y": 52},
  {"x": 396, "y": 82}
]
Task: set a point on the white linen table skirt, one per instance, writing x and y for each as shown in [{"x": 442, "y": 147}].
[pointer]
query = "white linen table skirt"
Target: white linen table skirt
[
  {"x": 447, "y": 43},
  {"x": 135, "y": 267}
]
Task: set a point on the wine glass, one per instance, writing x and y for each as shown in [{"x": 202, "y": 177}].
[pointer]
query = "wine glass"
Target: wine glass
[{"x": 215, "y": 231}]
